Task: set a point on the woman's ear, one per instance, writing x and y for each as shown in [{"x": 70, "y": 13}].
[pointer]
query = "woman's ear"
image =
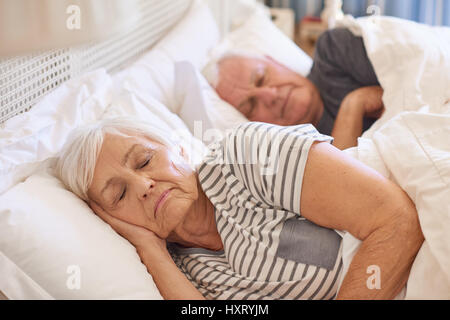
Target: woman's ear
[
  {"x": 183, "y": 154},
  {"x": 180, "y": 159}
]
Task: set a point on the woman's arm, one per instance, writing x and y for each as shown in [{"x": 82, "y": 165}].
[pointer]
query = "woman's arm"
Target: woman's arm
[
  {"x": 341, "y": 193},
  {"x": 171, "y": 282}
]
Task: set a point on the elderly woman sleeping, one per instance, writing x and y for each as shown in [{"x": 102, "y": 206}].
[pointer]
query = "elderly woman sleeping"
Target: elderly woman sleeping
[{"x": 260, "y": 218}]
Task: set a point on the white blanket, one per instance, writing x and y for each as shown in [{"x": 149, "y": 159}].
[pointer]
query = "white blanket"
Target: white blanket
[
  {"x": 411, "y": 61},
  {"x": 410, "y": 144}
]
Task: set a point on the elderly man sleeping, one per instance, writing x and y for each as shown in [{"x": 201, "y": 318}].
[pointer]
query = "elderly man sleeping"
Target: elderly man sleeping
[
  {"x": 239, "y": 226},
  {"x": 341, "y": 96}
]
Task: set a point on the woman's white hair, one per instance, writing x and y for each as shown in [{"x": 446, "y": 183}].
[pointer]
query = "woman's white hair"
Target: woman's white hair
[{"x": 76, "y": 163}]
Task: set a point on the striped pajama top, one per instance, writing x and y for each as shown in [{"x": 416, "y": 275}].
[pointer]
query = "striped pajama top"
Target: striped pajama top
[{"x": 253, "y": 177}]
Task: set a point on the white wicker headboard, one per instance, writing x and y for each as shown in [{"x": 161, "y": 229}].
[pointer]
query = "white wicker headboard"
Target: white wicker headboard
[{"x": 27, "y": 78}]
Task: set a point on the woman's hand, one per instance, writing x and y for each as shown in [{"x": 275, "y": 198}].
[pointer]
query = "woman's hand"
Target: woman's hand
[
  {"x": 141, "y": 238},
  {"x": 358, "y": 104},
  {"x": 152, "y": 250}
]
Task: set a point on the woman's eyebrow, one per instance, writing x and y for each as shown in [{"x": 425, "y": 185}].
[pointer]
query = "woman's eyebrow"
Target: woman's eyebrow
[
  {"x": 129, "y": 152},
  {"x": 107, "y": 184}
]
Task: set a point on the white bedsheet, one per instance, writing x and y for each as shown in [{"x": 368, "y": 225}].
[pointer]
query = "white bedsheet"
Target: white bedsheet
[
  {"x": 417, "y": 159},
  {"x": 411, "y": 61},
  {"x": 410, "y": 144}
]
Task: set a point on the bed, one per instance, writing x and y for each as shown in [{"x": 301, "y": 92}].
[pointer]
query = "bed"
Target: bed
[{"x": 53, "y": 247}]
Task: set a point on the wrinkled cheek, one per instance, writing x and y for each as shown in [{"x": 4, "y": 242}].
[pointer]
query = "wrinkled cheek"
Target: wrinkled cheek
[
  {"x": 177, "y": 167},
  {"x": 185, "y": 176},
  {"x": 135, "y": 217},
  {"x": 166, "y": 224},
  {"x": 300, "y": 106}
]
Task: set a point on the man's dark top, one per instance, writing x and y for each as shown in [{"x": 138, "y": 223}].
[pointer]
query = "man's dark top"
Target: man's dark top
[{"x": 341, "y": 65}]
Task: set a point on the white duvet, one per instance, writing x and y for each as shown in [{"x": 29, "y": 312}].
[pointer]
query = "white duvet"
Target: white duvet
[{"x": 410, "y": 144}]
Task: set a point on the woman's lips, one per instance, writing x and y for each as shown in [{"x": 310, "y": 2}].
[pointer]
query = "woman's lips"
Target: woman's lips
[{"x": 161, "y": 200}]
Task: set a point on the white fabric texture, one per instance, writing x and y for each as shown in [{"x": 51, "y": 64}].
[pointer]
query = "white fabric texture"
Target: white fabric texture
[
  {"x": 411, "y": 61},
  {"x": 191, "y": 39},
  {"x": 56, "y": 240},
  {"x": 199, "y": 102},
  {"x": 28, "y": 139},
  {"x": 418, "y": 160},
  {"x": 131, "y": 102},
  {"x": 15, "y": 281},
  {"x": 35, "y": 261},
  {"x": 25, "y": 79},
  {"x": 48, "y": 224},
  {"x": 48, "y": 228}
]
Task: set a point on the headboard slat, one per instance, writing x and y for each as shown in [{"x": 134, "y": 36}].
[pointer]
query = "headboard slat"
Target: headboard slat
[{"x": 25, "y": 79}]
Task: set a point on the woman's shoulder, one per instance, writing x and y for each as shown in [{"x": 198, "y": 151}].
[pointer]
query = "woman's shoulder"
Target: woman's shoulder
[
  {"x": 252, "y": 142},
  {"x": 253, "y": 130}
]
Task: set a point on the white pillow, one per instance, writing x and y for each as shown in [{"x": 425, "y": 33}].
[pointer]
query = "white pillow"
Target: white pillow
[
  {"x": 143, "y": 106},
  {"x": 55, "y": 223},
  {"x": 191, "y": 39},
  {"x": 30, "y": 138},
  {"x": 64, "y": 249},
  {"x": 258, "y": 35},
  {"x": 200, "y": 103},
  {"x": 29, "y": 141}
]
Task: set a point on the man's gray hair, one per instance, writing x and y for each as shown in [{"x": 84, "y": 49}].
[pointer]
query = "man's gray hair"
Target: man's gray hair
[
  {"x": 212, "y": 69},
  {"x": 76, "y": 163}
]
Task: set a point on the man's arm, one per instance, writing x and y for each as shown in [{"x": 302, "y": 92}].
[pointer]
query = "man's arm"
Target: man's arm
[
  {"x": 341, "y": 66},
  {"x": 341, "y": 193},
  {"x": 360, "y": 103}
]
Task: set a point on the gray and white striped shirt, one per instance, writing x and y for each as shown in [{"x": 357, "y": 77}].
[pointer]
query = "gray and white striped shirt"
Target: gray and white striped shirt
[{"x": 253, "y": 177}]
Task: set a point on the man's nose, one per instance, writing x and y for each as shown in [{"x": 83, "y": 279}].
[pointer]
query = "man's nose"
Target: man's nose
[{"x": 267, "y": 95}]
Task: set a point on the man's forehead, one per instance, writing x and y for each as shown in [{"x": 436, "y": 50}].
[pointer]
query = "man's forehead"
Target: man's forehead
[
  {"x": 237, "y": 76},
  {"x": 241, "y": 66}
]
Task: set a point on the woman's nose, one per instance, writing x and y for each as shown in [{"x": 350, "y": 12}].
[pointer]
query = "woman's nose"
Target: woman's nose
[{"x": 145, "y": 187}]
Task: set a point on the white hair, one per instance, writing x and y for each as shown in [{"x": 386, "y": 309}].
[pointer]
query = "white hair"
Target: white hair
[
  {"x": 212, "y": 69},
  {"x": 76, "y": 163}
]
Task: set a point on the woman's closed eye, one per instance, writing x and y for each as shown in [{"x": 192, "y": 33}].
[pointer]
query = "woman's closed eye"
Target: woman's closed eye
[
  {"x": 142, "y": 164},
  {"x": 118, "y": 197},
  {"x": 123, "y": 193},
  {"x": 145, "y": 162}
]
